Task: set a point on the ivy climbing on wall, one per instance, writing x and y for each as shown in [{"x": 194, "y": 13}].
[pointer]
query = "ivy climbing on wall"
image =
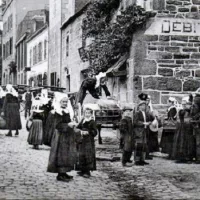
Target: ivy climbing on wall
[{"x": 112, "y": 29}]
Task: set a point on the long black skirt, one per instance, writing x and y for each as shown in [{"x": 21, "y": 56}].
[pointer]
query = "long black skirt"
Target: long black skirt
[
  {"x": 36, "y": 133},
  {"x": 12, "y": 116}
]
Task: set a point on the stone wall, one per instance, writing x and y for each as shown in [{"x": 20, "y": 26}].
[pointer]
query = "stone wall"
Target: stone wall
[{"x": 168, "y": 63}]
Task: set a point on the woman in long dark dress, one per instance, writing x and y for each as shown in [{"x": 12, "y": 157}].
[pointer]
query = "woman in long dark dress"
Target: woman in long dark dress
[
  {"x": 49, "y": 128},
  {"x": 86, "y": 146},
  {"x": 35, "y": 136},
  {"x": 184, "y": 141},
  {"x": 51, "y": 122},
  {"x": 63, "y": 153},
  {"x": 10, "y": 111},
  {"x": 166, "y": 142}
]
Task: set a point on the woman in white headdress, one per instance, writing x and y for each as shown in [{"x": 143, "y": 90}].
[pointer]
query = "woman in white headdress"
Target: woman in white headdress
[
  {"x": 184, "y": 141},
  {"x": 10, "y": 111},
  {"x": 51, "y": 120},
  {"x": 168, "y": 135},
  {"x": 63, "y": 154},
  {"x": 35, "y": 136}
]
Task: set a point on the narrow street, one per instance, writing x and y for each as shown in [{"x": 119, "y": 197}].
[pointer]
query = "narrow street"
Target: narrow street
[{"x": 23, "y": 175}]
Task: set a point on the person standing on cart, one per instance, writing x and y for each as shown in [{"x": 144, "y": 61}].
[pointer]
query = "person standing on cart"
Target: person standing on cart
[{"x": 28, "y": 102}]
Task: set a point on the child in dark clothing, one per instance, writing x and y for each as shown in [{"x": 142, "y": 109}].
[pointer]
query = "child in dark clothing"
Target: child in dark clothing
[
  {"x": 126, "y": 136},
  {"x": 86, "y": 147}
]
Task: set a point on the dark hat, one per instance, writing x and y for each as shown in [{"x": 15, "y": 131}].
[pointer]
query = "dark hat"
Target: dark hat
[{"x": 143, "y": 96}]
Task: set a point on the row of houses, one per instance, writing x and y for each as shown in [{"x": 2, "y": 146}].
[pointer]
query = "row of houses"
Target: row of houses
[{"x": 43, "y": 46}]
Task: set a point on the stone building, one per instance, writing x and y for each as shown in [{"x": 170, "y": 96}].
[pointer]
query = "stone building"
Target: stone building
[
  {"x": 60, "y": 12},
  {"x": 74, "y": 68},
  {"x": 72, "y": 65},
  {"x": 13, "y": 13},
  {"x": 32, "y": 23},
  {"x": 169, "y": 57},
  {"x": 163, "y": 60},
  {"x": 37, "y": 54}
]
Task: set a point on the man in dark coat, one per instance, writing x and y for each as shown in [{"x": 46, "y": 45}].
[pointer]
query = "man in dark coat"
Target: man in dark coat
[
  {"x": 126, "y": 136},
  {"x": 141, "y": 121},
  {"x": 28, "y": 102}
]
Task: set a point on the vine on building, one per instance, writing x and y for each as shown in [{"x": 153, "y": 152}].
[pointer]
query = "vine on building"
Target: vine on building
[{"x": 112, "y": 28}]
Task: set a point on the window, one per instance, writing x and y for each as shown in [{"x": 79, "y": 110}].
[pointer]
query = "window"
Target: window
[
  {"x": 67, "y": 46},
  {"x": 18, "y": 58},
  {"x": 25, "y": 78},
  {"x": 30, "y": 57},
  {"x": 11, "y": 46},
  {"x": 39, "y": 52},
  {"x": 53, "y": 79},
  {"x": 68, "y": 83},
  {"x": 21, "y": 57},
  {"x": 45, "y": 49},
  {"x": 7, "y": 49},
  {"x": 39, "y": 80},
  {"x": 45, "y": 79},
  {"x": 34, "y": 55},
  {"x": 25, "y": 54}
]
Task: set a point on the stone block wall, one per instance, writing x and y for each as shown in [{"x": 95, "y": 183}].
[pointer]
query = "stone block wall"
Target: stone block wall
[{"x": 171, "y": 64}]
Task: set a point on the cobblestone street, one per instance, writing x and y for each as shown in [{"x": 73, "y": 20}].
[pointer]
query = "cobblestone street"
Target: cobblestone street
[
  {"x": 23, "y": 175},
  {"x": 162, "y": 179}
]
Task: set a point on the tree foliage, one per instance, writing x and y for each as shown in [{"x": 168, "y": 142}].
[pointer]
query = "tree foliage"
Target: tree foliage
[{"x": 113, "y": 37}]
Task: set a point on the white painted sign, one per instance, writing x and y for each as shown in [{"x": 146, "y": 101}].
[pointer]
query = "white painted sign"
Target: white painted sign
[{"x": 173, "y": 26}]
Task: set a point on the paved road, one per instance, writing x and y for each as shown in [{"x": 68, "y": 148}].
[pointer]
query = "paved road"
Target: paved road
[
  {"x": 162, "y": 179},
  {"x": 23, "y": 175}
]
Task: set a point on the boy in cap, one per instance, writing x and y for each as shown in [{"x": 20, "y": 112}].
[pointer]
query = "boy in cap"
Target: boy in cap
[
  {"x": 126, "y": 135},
  {"x": 141, "y": 121}
]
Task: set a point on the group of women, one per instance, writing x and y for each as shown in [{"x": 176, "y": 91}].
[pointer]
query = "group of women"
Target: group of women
[
  {"x": 181, "y": 141},
  {"x": 51, "y": 122},
  {"x": 72, "y": 144}
]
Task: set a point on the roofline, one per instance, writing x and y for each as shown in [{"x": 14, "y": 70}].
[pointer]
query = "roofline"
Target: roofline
[
  {"x": 21, "y": 38},
  {"x": 6, "y": 7},
  {"x": 72, "y": 18},
  {"x": 38, "y": 32}
]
